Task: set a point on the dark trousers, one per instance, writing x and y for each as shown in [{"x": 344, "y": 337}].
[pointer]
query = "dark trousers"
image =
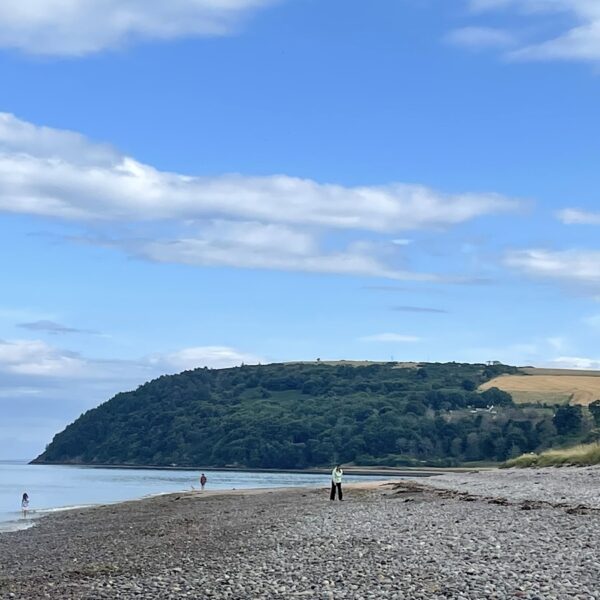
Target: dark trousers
[{"x": 339, "y": 491}]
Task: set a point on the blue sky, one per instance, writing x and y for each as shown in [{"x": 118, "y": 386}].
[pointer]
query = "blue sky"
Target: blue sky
[{"x": 209, "y": 183}]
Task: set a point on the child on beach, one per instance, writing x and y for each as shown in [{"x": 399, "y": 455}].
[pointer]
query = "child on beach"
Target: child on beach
[
  {"x": 25, "y": 504},
  {"x": 336, "y": 483},
  {"x": 203, "y": 481}
]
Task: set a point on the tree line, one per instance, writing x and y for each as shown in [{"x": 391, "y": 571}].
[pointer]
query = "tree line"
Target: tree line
[{"x": 301, "y": 415}]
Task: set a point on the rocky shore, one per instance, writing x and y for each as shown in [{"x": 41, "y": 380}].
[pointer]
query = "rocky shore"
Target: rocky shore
[
  {"x": 490, "y": 535},
  {"x": 565, "y": 486}
]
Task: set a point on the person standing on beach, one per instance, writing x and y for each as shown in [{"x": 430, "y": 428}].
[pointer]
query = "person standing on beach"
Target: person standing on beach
[
  {"x": 25, "y": 504},
  {"x": 336, "y": 483},
  {"x": 203, "y": 481}
]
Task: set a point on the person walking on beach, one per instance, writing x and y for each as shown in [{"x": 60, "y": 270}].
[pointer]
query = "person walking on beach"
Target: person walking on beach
[
  {"x": 25, "y": 504},
  {"x": 336, "y": 483},
  {"x": 203, "y": 481}
]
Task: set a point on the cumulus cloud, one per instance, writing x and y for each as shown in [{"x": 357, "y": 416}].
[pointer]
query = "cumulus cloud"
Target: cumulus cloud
[
  {"x": 230, "y": 220},
  {"x": 37, "y": 359},
  {"x": 391, "y": 338},
  {"x": 570, "y": 266},
  {"x": 79, "y": 27},
  {"x": 579, "y": 40}
]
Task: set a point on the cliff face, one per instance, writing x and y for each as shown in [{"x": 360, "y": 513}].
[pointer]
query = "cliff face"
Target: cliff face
[{"x": 299, "y": 415}]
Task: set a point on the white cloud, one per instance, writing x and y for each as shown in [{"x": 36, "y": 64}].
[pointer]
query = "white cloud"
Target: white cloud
[
  {"x": 69, "y": 177},
  {"x": 215, "y": 357},
  {"x": 255, "y": 222},
  {"x": 273, "y": 247},
  {"x": 79, "y": 27},
  {"x": 391, "y": 338},
  {"x": 37, "y": 359},
  {"x": 579, "y": 40},
  {"x": 481, "y": 37},
  {"x": 535, "y": 351},
  {"x": 570, "y": 266},
  {"x": 576, "y": 362},
  {"x": 57, "y": 385},
  {"x": 574, "y": 216}
]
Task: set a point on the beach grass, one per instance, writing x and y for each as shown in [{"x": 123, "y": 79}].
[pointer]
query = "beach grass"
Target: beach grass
[{"x": 580, "y": 455}]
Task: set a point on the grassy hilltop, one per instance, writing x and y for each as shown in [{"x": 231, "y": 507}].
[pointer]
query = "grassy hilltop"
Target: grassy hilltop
[{"x": 300, "y": 415}]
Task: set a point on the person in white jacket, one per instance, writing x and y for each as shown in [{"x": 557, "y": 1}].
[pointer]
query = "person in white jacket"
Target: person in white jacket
[{"x": 336, "y": 483}]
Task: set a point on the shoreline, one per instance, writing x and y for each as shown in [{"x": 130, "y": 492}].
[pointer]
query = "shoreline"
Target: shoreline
[
  {"x": 36, "y": 515},
  {"x": 349, "y": 470},
  {"x": 470, "y": 536}
]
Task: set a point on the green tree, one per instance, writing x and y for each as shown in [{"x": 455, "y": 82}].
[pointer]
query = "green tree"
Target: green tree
[
  {"x": 595, "y": 411},
  {"x": 296, "y": 415},
  {"x": 469, "y": 385},
  {"x": 497, "y": 397},
  {"x": 568, "y": 420}
]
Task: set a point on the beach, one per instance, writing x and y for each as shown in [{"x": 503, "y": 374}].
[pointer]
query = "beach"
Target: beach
[{"x": 494, "y": 534}]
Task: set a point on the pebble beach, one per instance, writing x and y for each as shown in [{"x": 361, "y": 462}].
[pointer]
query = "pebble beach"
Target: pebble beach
[{"x": 532, "y": 534}]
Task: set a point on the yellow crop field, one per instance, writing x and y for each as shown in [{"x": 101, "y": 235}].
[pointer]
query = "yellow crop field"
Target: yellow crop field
[{"x": 543, "y": 386}]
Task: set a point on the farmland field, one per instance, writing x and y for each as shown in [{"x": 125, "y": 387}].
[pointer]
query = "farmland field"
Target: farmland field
[{"x": 550, "y": 386}]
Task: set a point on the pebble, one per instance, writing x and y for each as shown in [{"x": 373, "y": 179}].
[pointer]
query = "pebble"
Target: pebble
[{"x": 292, "y": 544}]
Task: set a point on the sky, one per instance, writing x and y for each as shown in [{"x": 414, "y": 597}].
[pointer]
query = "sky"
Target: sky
[{"x": 211, "y": 182}]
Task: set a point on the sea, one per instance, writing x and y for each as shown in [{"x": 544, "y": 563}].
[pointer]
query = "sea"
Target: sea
[{"x": 53, "y": 488}]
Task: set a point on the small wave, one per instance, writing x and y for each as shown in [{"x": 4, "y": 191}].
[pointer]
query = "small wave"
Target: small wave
[
  {"x": 18, "y": 524},
  {"x": 48, "y": 511},
  {"x": 8, "y": 526}
]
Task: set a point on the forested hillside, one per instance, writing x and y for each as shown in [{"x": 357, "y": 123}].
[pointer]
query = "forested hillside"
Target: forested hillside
[{"x": 299, "y": 415}]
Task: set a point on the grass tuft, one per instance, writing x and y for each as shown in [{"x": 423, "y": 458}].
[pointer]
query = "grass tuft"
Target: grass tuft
[{"x": 580, "y": 455}]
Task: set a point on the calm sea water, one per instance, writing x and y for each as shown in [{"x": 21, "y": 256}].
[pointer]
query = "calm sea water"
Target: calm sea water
[{"x": 53, "y": 487}]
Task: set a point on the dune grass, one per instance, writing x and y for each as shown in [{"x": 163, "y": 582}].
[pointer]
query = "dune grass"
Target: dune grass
[{"x": 580, "y": 455}]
